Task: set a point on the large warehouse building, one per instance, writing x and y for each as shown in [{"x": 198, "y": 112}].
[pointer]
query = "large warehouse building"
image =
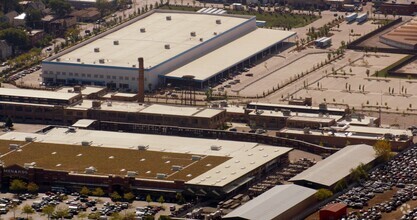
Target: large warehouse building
[
  {"x": 173, "y": 45},
  {"x": 68, "y": 157},
  {"x": 403, "y": 37}
]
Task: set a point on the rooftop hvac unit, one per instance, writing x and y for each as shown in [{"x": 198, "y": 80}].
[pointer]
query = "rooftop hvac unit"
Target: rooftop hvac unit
[
  {"x": 306, "y": 130},
  {"x": 195, "y": 157},
  {"x": 214, "y": 33},
  {"x": 96, "y": 49},
  {"x": 90, "y": 170},
  {"x": 168, "y": 18},
  {"x": 167, "y": 46},
  {"x": 71, "y": 129},
  {"x": 116, "y": 42},
  {"x": 14, "y": 146},
  {"x": 78, "y": 60},
  {"x": 161, "y": 175},
  {"x": 96, "y": 104},
  {"x": 218, "y": 21},
  {"x": 286, "y": 112},
  {"x": 142, "y": 30},
  {"x": 193, "y": 34},
  {"x": 201, "y": 39},
  {"x": 29, "y": 139},
  {"x": 86, "y": 143},
  {"x": 176, "y": 167},
  {"x": 143, "y": 147},
  {"x": 101, "y": 60},
  {"x": 131, "y": 173},
  {"x": 29, "y": 165},
  {"x": 216, "y": 147}
]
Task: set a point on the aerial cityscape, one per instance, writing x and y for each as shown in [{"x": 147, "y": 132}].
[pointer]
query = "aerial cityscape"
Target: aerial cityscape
[{"x": 221, "y": 109}]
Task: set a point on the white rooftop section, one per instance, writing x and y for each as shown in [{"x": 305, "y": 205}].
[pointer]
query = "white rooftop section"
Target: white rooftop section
[
  {"x": 246, "y": 156},
  {"x": 378, "y": 131},
  {"x": 272, "y": 203},
  {"x": 88, "y": 90},
  {"x": 40, "y": 94},
  {"x": 83, "y": 123},
  {"x": 151, "y": 44},
  {"x": 337, "y": 166},
  {"x": 231, "y": 54},
  {"x": 306, "y": 116},
  {"x": 20, "y": 17},
  {"x": 285, "y": 106}
]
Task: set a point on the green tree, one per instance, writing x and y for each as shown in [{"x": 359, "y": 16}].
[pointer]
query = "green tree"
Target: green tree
[
  {"x": 33, "y": 18},
  {"x": 82, "y": 215},
  {"x": 32, "y": 187},
  {"x": 16, "y": 37},
  {"x": 104, "y": 7},
  {"x": 115, "y": 196},
  {"x": 209, "y": 94},
  {"x": 60, "y": 7},
  {"x": 72, "y": 34},
  {"x": 340, "y": 185},
  {"x": 48, "y": 211},
  {"x": 8, "y": 123},
  {"x": 129, "y": 196},
  {"x": 161, "y": 200},
  {"x": 17, "y": 186},
  {"x": 85, "y": 191},
  {"x": 28, "y": 210},
  {"x": 323, "y": 194},
  {"x": 180, "y": 199},
  {"x": 148, "y": 199},
  {"x": 98, "y": 192},
  {"x": 383, "y": 150},
  {"x": 61, "y": 212}
]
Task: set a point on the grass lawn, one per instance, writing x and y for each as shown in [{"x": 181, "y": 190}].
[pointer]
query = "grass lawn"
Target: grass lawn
[
  {"x": 384, "y": 72},
  {"x": 272, "y": 19}
]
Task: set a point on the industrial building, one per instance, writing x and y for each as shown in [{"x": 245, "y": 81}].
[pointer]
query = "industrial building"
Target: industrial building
[
  {"x": 67, "y": 105},
  {"x": 402, "y": 37},
  {"x": 176, "y": 47},
  {"x": 72, "y": 158},
  {"x": 326, "y": 173},
  {"x": 281, "y": 202}
]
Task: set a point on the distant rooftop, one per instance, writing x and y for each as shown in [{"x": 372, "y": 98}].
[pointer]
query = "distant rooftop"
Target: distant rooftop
[
  {"x": 150, "y": 43},
  {"x": 337, "y": 166},
  {"x": 40, "y": 94}
]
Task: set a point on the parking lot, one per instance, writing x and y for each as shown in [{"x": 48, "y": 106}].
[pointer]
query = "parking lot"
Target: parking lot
[
  {"x": 389, "y": 193},
  {"x": 92, "y": 207}
]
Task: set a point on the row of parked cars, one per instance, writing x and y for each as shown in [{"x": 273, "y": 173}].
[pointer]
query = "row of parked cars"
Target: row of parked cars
[
  {"x": 399, "y": 173},
  {"x": 24, "y": 73}
]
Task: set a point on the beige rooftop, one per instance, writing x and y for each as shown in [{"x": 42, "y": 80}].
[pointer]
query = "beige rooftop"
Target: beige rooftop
[
  {"x": 150, "y": 44},
  {"x": 231, "y": 54},
  {"x": 39, "y": 94}
]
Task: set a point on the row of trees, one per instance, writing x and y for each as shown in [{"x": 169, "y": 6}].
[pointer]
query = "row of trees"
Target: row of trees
[{"x": 19, "y": 186}]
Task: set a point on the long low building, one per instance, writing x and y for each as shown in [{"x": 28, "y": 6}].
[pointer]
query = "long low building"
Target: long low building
[
  {"x": 403, "y": 37},
  {"x": 281, "y": 202},
  {"x": 326, "y": 173},
  {"x": 166, "y": 40},
  {"x": 140, "y": 162}
]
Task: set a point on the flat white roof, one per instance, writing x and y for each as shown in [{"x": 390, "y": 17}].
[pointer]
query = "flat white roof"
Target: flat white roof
[
  {"x": 88, "y": 90},
  {"x": 337, "y": 166},
  {"x": 201, "y": 112},
  {"x": 83, "y": 123},
  {"x": 378, "y": 131},
  {"x": 285, "y": 106},
  {"x": 232, "y": 53},
  {"x": 246, "y": 156},
  {"x": 272, "y": 203},
  {"x": 151, "y": 44},
  {"x": 40, "y": 94}
]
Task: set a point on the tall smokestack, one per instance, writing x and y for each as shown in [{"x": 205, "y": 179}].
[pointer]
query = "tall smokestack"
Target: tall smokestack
[{"x": 141, "y": 81}]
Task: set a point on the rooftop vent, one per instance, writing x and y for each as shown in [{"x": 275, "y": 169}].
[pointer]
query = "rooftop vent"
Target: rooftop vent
[
  {"x": 218, "y": 21},
  {"x": 96, "y": 104},
  {"x": 161, "y": 175},
  {"x": 14, "y": 146},
  {"x": 131, "y": 173},
  {"x": 101, "y": 60},
  {"x": 86, "y": 143},
  {"x": 29, "y": 165},
  {"x": 201, "y": 39},
  {"x": 71, "y": 129},
  {"x": 96, "y": 49},
  {"x": 116, "y": 42},
  {"x": 168, "y": 18},
  {"x": 214, "y": 33},
  {"x": 58, "y": 59},
  {"x": 142, "y": 30},
  {"x": 143, "y": 147},
  {"x": 29, "y": 139},
  {"x": 195, "y": 157},
  {"x": 193, "y": 34},
  {"x": 216, "y": 147},
  {"x": 167, "y": 46},
  {"x": 90, "y": 170},
  {"x": 78, "y": 60},
  {"x": 176, "y": 168}
]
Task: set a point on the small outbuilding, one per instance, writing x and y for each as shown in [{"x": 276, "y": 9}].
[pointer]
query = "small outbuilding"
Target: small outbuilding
[{"x": 333, "y": 211}]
